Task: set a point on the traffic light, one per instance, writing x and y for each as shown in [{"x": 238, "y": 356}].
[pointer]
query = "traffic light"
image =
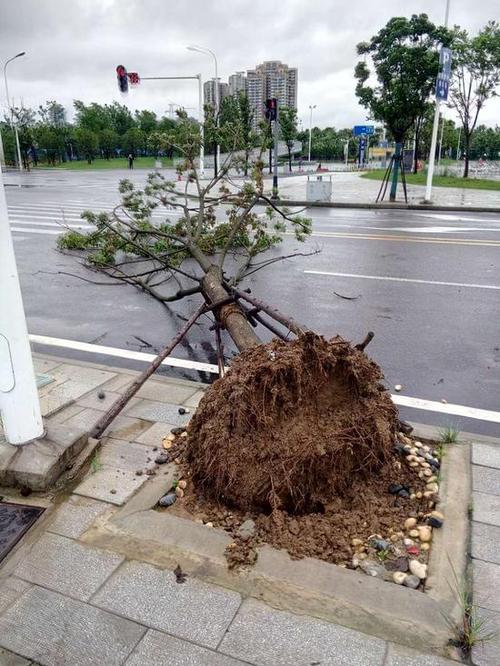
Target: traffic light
[
  {"x": 133, "y": 78},
  {"x": 272, "y": 108},
  {"x": 121, "y": 75}
]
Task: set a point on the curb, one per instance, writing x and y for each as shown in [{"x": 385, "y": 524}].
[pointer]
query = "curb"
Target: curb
[{"x": 384, "y": 206}]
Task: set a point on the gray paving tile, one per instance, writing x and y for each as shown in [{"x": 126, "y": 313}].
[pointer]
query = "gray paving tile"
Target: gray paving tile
[
  {"x": 485, "y": 542},
  {"x": 174, "y": 394},
  {"x": 398, "y": 655},
  {"x": 45, "y": 365},
  {"x": 92, "y": 401},
  {"x": 486, "y": 479},
  {"x": 153, "y": 436},
  {"x": 75, "y": 516},
  {"x": 10, "y": 659},
  {"x": 194, "y": 400},
  {"x": 487, "y": 653},
  {"x": 119, "y": 454},
  {"x": 124, "y": 427},
  {"x": 54, "y": 630},
  {"x": 85, "y": 418},
  {"x": 276, "y": 638},
  {"x": 10, "y": 590},
  {"x": 118, "y": 383},
  {"x": 157, "y": 649},
  {"x": 110, "y": 485},
  {"x": 64, "y": 414},
  {"x": 70, "y": 383},
  {"x": 486, "y": 454},
  {"x": 487, "y": 585},
  {"x": 486, "y": 508},
  {"x": 158, "y": 411},
  {"x": 194, "y": 610},
  {"x": 66, "y": 566}
]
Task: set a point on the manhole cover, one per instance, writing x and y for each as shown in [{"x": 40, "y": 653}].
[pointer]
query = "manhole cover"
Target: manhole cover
[{"x": 15, "y": 521}]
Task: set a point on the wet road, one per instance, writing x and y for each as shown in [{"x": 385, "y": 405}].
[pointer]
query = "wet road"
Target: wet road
[{"x": 427, "y": 283}]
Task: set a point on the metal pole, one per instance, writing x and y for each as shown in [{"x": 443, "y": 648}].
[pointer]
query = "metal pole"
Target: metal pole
[
  {"x": 2, "y": 154},
  {"x": 311, "y": 107},
  {"x": 217, "y": 102},
  {"x": 458, "y": 144},
  {"x": 11, "y": 114},
  {"x": 201, "y": 121},
  {"x": 432, "y": 155},
  {"x": 441, "y": 141},
  {"x": 19, "y": 403},
  {"x": 275, "y": 139}
]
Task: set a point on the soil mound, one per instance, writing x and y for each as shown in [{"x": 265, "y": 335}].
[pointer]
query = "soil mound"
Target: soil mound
[{"x": 291, "y": 426}]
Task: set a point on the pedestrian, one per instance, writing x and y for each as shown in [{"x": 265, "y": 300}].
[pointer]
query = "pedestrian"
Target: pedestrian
[{"x": 130, "y": 161}]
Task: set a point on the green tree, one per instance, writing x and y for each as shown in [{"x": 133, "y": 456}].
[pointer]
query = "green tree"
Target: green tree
[
  {"x": 146, "y": 121},
  {"x": 288, "y": 129},
  {"x": 108, "y": 141},
  {"x": 119, "y": 118},
  {"x": 476, "y": 78},
  {"x": 86, "y": 143},
  {"x": 52, "y": 113},
  {"x": 485, "y": 142},
  {"x": 405, "y": 63},
  {"x": 133, "y": 141},
  {"x": 91, "y": 117}
]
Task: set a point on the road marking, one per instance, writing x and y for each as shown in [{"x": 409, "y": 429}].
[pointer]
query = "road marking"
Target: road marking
[
  {"x": 402, "y": 400},
  {"x": 400, "y": 279},
  {"x": 62, "y": 224},
  {"x": 29, "y": 216},
  {"x": 121, "y": 353},
  {"x": 403, "y": 239},
  {"x": 28, "y": 230}
]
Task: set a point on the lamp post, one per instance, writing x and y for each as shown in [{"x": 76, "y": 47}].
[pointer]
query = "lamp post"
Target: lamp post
[
  {"x": 11, "y": 115},
  {"x": 311, "y": 107},
  {"x": 432, "y": 155},
  {"x": 201, "y": 49}
]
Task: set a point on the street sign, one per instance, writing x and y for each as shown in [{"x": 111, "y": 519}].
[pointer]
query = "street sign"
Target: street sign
[
  {"x": 443, "y": 78},
  {"x": 358, "y": 130},
  {"x": 362, "y": 151}
]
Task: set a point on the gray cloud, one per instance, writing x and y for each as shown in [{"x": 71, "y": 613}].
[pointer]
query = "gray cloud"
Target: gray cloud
[{"x": 73, "y": 47}]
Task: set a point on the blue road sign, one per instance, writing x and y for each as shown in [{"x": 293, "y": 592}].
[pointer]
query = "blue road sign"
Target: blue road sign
[
  {"x": 442, "y": 86},
  {"x": 445, "y": 63},
  {"x": 358, "y": 130}
]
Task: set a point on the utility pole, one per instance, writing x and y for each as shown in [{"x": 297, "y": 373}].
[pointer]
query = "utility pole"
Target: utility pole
[
  {"x": 275, "y": 139},
  {"x": 311, "y": 107},
  {"x": 19, "y": 402},
  {"x": 11, "y": 113},
  {"x": 432, "y": 155}
]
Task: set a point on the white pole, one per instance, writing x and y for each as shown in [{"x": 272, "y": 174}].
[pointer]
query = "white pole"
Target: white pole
[
  {"x": 432, "y": 155},
  {"x": 217, "y": 102},
  {"x": 14, "y": 130},
  {"x": 201, "y": 121},
  {"x": 311, "y": 107},
  {"x": 441, "y": 140},
  {"x": 19, "y": 403}
]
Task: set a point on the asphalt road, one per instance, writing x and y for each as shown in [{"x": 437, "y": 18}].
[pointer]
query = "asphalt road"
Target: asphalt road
[{"x": 427, "y": 283}]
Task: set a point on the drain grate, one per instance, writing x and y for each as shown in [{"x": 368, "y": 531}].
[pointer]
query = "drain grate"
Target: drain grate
[{"x": 15, "y": 521}]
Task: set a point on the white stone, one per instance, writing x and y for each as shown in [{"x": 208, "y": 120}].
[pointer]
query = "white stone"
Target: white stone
[
  {"x": 418, "y": 569},
  {"x": 424, "y": 533},
  {"x": 399, "y": 577},
  {"x": 410, "y": 523},
  {"x": 408, "y": 542}
]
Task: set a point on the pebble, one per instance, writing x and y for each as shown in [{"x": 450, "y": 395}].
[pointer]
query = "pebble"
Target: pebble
[
  {"x": 161, "y": 459},
  {"x": 184, "y": 434},
  {"x": 403, "y": 493},
  {"x": 356, "y": 542},
  {"x": 427, "y": 472},
  {"x": 355, "y": 561},
  {"x": 182, "y": 410},
  {"x": 209, "y": 524},
  {"x": 380, "y": 544},
  {"x": 113, "y": 491},
  {"x": 394, "y": 538},
  {"x": 425, "y": 546},
  {"x": 418, "y": 569},
  {"x": 179, "y": 492},
  {"x": 432, "y": 487},
  {"x": 408, "y": 542},
  {"x": 413, "y": 533},
  {"x": 413, "y": 496},
  {"x": 419, "y": 495},
  {"x": 413, "y": 550},
  {"x": 399, "y": 577},
  {"x": 411, "y": 581},
  {"x": 399, "y": 564},
  {"x": 101, "y": 395},
  {"x": 247, "y": 529},
  {"x": 426, "y": 448},
  {"x": 432, "y": 479},
  {"x": 410, "y": 523},
  {"x": 168, "y": 499},
  {"x": 414, "y": 464},
  {"x": 424, "y": 533},
  {"x": 418, "y": 445},
  {"x": 372, "y": 569},
  {"x": 182, "y": 484},
  {"x": 394, "y": 488},
  {"x": 139, "y": 472},
  {"x": 362, "y": 556},
  {"x": 178, "y": 430},
  {"x": 436, "y": 519},
  {"x": 398, "y": 387}
]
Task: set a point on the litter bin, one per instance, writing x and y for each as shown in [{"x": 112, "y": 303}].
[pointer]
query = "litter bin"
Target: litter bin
[
  {"x": 319, "y": 188},
  {"x": 158, "y": 164}
]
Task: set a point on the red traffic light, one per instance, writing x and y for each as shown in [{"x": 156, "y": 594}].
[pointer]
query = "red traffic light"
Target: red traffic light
[
  {"x": 121, "y": 75},
  {"x": 133, "y": 78},
  {"x": 272, "y": 108}
]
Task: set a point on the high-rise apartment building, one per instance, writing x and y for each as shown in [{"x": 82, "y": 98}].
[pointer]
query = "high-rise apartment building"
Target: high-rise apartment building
[
  {"x": 237, "y": 83},
  {"x": 209, "y": 91}
]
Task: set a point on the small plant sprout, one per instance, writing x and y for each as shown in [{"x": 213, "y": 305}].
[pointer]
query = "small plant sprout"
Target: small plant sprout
[{"x": 449, "y": 435}]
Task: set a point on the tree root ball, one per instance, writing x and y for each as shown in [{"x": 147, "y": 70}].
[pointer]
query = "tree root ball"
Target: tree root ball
[{"x": 290, "y": 425}]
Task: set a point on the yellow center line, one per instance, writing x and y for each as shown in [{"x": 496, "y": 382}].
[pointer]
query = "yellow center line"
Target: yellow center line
[{"x": 405, "y": 239}]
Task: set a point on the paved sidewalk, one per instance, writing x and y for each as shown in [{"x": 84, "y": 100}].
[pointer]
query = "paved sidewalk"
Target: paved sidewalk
[
  {"x": 485, "y": 547},
  {"x": 64, "y": 603}
]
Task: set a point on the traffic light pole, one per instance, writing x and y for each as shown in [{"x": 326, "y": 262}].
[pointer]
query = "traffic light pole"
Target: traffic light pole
[
  {"x": 19, "y": 403},
  {"x": 200, "y": 108},
  {"x": 275, "y": 149}
]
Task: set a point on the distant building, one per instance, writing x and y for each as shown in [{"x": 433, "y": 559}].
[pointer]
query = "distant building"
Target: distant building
[
  {"x": 209, "y": 91},
  {"x": 237, "y": 83}
]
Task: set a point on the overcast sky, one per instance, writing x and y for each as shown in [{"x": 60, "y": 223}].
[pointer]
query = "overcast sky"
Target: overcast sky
[{"x": 73, "y": 47}]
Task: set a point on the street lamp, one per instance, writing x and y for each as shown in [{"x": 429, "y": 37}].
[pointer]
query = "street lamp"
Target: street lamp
[
  {"x": 202, "y": 49},
  {"x": 14, "y": 129},
  {"x": 311, "y": 107}
]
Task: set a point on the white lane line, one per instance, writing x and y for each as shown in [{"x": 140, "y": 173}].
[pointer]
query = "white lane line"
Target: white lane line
[
  {"x": 121, "y": 353},
  {"x": 62, "y": 224},
  {"x": 455, "y": 410},
  {"x": 27, "y": 230},
  {"x": 413, "y": 280},
  {"x": 31, "y": 216},
  {"x": 404, "y": 401}
]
